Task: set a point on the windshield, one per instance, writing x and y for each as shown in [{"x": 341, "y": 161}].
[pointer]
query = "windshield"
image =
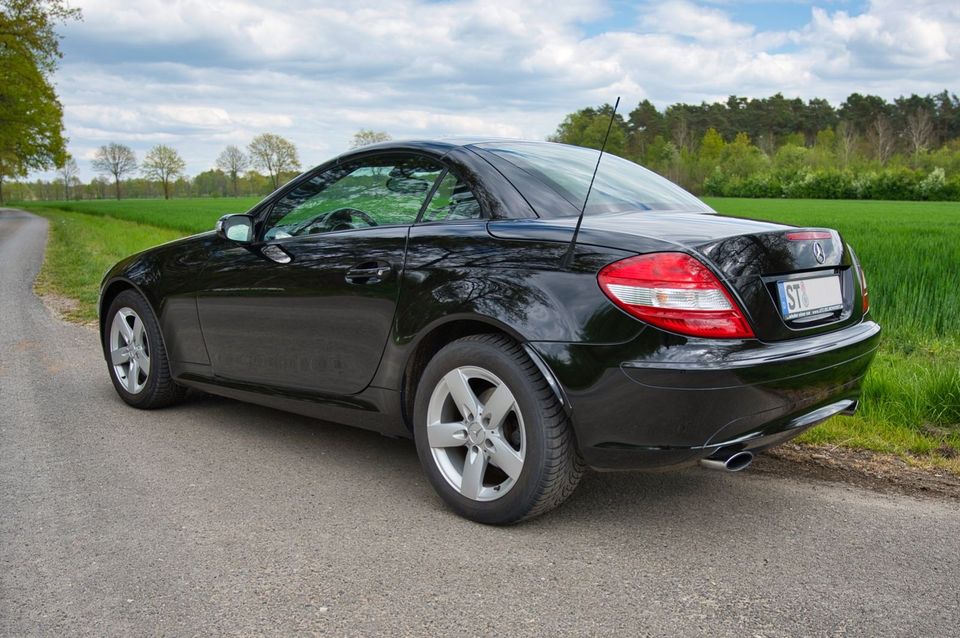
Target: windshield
[{"x": 620, "y": 185}]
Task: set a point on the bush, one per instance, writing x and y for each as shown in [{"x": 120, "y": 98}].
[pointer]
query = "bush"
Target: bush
[
  {"x": 951, "y": 189},
  {"x": 934, "y": 185},
  {"x": 761, "y": 185},
  {"x": 891, "y": 183},
  {"x": 824, "y": 184},
  {"x": 895, "y": 184},
  {"x": 715, "y": 183}
]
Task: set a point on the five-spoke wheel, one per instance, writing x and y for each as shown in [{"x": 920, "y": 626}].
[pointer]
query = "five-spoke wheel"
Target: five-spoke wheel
[
  {"x": 492, "y": 435},
  {"x": 129, "y": 350},
  {"x": 133, "y": 348},
  {"x": 476, "y": 434}
]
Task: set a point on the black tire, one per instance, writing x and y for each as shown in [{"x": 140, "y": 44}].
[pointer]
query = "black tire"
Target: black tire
[
  {"x": 552, "y": 466},
  {"x": 159, "y": 389}
]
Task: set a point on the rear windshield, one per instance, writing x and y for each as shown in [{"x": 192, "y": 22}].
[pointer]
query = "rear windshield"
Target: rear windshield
[{"x": 620, "y": 185}]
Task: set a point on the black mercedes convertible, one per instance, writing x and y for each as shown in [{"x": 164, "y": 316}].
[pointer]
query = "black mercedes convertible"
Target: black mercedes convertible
[{"x": 432, "y": 290}]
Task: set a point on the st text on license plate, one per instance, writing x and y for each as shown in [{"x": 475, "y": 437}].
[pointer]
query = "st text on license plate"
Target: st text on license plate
[{"x": 807, "y": 297}]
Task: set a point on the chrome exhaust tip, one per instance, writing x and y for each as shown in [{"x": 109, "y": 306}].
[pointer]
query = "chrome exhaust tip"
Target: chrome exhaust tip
[{"x": 733, "y": 463}]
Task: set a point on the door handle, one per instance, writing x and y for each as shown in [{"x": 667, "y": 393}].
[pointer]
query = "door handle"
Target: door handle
[{"x": 370, "y": 272}]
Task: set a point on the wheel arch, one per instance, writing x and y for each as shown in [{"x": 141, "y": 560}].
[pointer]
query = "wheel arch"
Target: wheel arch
[
  {"x": 447, "y": 330},
  {"x": 110, "y": 291}
]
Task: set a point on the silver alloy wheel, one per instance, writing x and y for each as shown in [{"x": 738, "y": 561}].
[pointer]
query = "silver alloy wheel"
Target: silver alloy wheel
[
  {"x": 129, "y": 350},
  {"x": 476, "y": 434}
]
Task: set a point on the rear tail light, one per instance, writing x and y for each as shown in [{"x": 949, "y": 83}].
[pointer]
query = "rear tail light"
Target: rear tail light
[
  {"x": 865, "y": 298},
  {"x": 675, "y": 292}
]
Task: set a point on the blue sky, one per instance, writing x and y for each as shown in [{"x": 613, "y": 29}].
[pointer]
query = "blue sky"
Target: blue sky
[
  {"x": 201, "y": 74},
  {"x": 765, "y": 16}
]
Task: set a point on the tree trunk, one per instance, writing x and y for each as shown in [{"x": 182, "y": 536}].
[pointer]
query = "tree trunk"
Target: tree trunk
[
  {"x": 166, "y": 190},
  {"x": 1, "y": 189},
  {"x": 116, "y": 182}
]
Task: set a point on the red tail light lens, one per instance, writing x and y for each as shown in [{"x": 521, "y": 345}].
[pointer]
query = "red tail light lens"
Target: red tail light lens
[
  {"x": 857, "y": 268},
  {"x": 675, "y": 292},
  {"x": 865, "y": 298}
]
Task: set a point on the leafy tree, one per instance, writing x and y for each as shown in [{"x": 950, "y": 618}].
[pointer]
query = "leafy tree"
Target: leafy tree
[
  {"x": 273, "y": 154},
  {"x": 163, "y": 164},
  {"x": 212, "y": 182},
  {"x": 741, "y": 157},
  {"x": 366, "y": 137},
  {"x": 862, "y": 111},
  {"x": 947, "y": 109},
  {"x": 824, "y": 152},
  {"x": 68, "y": 173},
  {"x": 846, "y": 143},
  {"x": 587, "y": 127},
  {"x": 816, "y": 116},
  {"x": 233, "y": 162},
  {"x": 881, "y": 138},
  {"x": 919, "y": 130},
  {"x": 711, "y": 147},
  {"x": 116, "y": 160},
  {"x": 644, "y": 123},
  {"x": 31, "y": 118},
  {"x": 708, "y": 157}
]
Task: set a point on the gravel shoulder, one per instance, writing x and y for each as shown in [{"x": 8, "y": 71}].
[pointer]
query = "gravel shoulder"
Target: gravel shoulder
[{"x": 883, "y": 473}]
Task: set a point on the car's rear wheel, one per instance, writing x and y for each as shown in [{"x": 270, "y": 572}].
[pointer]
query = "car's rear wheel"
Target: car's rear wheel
[
  {"x": 136, "y": 358},
  {"x": 493, "y": 438}
]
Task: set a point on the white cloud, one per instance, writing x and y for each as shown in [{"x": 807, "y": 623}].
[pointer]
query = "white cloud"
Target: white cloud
[
  {"x": 694, "y": 21},
  {"x": 203, "y": 74},
  {"x": 891, "y": 34}
]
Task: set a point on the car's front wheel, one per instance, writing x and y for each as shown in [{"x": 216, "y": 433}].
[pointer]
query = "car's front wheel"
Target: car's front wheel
[
  {"x": 493, "y": 438},
  {"x": 136, "y": 358}
]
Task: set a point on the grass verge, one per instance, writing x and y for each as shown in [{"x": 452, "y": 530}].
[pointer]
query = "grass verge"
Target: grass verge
[
  {"x": 189, "y": 216},
  {"x": 82, "y": 247}
]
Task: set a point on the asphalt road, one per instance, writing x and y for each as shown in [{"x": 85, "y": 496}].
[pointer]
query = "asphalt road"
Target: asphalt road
[{"x": 219, "y": 517}]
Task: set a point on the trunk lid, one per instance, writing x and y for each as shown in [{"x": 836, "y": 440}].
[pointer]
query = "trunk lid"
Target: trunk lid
[{"x": 766, "y": 266}]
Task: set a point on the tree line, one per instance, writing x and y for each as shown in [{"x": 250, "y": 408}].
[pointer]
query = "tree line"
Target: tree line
[
  {"x": 237, "y": 172},
  {"x": 163, "y": 164},
  {"x": 868, "y": 147}
]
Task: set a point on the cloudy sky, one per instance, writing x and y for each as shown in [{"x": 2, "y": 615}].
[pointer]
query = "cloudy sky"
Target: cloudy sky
[{"x": 202, "y": 74}]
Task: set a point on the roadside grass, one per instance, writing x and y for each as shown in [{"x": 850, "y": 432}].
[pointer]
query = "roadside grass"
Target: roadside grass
[
  {"x": 80, "y": 250},
  {"x": 910, "y": 252},
  {"x": 191, "y": 216}
]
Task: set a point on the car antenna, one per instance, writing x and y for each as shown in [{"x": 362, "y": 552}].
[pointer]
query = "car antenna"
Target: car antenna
[{"x": 576, "y": 231}]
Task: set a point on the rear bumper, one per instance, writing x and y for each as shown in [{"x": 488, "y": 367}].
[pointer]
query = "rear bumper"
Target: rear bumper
[{"x": 660, "y": 402}]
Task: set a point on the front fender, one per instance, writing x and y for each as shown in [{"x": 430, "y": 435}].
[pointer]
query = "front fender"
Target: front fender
[{"x": 166, "y": 276}]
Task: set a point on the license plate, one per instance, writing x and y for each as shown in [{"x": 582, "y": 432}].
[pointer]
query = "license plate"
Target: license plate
[{"x": 807, "y": 297}]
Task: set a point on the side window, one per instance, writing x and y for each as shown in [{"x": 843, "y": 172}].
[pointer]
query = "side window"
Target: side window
[
  {"x": 452, "y": 201},
  {"x": 375, "y": 192}
]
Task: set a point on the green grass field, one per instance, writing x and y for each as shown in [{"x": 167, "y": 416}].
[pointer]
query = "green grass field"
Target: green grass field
[
  {"x": 187, "y": 215},
  {"x": 82, "y": 247},
  {"x": 910, "y": 251}
]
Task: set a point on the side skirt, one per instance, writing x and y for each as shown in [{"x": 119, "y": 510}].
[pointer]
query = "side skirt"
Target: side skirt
[{"x": 376, "y": 409}]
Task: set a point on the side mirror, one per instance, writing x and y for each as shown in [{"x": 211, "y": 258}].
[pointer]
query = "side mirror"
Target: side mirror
[{"x": 238, "y": 228}]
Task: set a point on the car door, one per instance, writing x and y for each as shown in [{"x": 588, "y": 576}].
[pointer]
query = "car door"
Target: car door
[{"x": 310, "y": 306}]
